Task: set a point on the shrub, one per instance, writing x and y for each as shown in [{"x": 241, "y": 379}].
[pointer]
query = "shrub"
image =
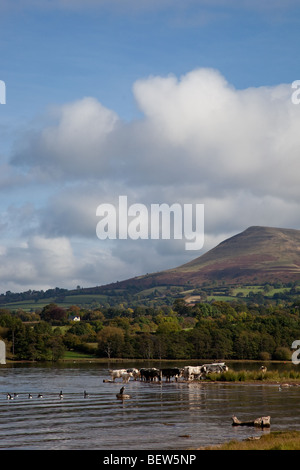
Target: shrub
[
  {"x": 264, "y": 356},
  {"x": 282, "y": 354}
]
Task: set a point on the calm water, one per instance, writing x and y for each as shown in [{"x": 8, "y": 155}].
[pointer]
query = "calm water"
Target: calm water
[{"x": 165, "y": 416}]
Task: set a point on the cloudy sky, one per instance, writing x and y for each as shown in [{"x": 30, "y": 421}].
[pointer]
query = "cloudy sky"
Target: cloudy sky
[{"x": 167, "y": 101}]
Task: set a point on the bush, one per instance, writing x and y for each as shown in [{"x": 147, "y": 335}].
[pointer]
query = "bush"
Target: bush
[
  {"x": 282, "y": 354},
  {"x": 264, "y": 356}
]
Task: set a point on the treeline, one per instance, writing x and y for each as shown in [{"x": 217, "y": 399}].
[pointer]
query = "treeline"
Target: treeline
[
  {"x": 217, "y": 330},
  {"x": 34, "y": 295}
]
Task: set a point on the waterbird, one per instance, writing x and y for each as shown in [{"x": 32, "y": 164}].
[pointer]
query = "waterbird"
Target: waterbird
[
  {"x": 61, "y": 395},
  {"x": 122, "y": 395},
  {"x": 40, "y": 395},
  {"x": 9, "y": 396},
  {"x": 281, "y": 386},
  {"x": 85, "y": 394},
  {"x": 16, "y": 395},
  {"x": 29, "y": 395}
]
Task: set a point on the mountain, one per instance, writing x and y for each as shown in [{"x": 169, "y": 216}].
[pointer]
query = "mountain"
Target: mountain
[
  {"x": 256, "y": 255},
  {"x": 259, "y": 254}
]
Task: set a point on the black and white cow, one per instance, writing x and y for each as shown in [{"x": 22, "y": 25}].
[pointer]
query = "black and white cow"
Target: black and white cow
[
  {"x": 134, "y": 372},
  {"x": 216, "y": 367},
  {"x": 150, "y": 375},
  {"x": 192, "y": 372},
  {"x": 171, "y": 372}
]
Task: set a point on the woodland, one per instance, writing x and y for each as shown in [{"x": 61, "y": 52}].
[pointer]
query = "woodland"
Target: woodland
[{"x": 215, "y": 330}]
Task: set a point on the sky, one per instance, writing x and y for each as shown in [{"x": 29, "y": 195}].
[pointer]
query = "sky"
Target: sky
[{"x": 164, "y": 102}]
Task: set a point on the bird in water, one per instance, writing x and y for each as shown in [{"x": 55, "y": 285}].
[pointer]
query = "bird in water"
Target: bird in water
[
  {"x": 9, "y": 396},
  {"x": 282, "y": 386},
  {"x": 122, "y": 395},
  {"x": 29, "y": 395},
  {"x": 61, "y": 395},
  {"x": 40, "y": 395},
  {"x": 85, "y": 394}
]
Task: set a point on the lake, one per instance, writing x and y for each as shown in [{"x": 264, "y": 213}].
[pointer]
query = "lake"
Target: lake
[{"x": 164, "y": 416}]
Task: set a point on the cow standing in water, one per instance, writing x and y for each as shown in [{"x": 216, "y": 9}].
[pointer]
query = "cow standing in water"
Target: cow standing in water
[
  {"x": 135, "y": 373},
  {"x": 171, "y": 372},
  {"x": 150, "y": 375},
  {"x": 120, "y": 374},
  {"x": 192, "y": 372}
]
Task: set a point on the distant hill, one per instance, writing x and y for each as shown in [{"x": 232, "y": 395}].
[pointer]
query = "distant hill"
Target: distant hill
[{"x": 256, "y": 255}]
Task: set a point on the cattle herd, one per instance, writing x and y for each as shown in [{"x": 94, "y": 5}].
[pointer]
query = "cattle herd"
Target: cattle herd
[{"x": 156, "y": 375}]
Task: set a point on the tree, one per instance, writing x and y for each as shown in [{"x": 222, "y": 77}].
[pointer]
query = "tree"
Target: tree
[
  {"x": 73, "y": 311},
  {"x": 282, "y": 354},
  {"x": 84, "y": 330},
  {"x": 221, "y": 343},
  {"x": 56, "y": 346},
  {"x": 247, "y": 345},
  {"x": 181, "y": 307},
  {"x": 110, "y": 341},
  {"x": 201, "y": 341},
  {"x": 53, "y": 313},
  {"x": 167, "y": 325}
]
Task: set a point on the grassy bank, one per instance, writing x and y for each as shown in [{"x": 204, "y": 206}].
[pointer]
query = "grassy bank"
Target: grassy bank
[
  {"x": 275, "y": 440},
  {"x": 253, "y": 376}
]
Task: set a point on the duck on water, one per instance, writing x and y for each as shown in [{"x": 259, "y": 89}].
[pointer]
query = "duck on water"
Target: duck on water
[{"x": 121, "y": 395}]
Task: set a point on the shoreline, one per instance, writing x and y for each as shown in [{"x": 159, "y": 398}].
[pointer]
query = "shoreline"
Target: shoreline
[
  {"x": 234, "y": 377},
  {"x": 121, "y": 360},
  {"x": 274, "y": 440}
]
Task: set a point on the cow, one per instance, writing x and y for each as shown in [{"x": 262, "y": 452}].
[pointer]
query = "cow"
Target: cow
[
  {"x": 216, "y": 367},
  {"x": 192, "y": 372},
  {"x": 135, "y": 373},
  {"x": 126, "y": 376},
  {"x": 117, "y": 373},
  {"x": 150, "y": 375},
  {"x": 171, "y": 372}
]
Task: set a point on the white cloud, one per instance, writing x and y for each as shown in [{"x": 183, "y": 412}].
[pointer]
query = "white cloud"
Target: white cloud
[
  {"x": 197, "y": 130},
  {"x": 36, "y": 262},
  {"x": 42, "y": 263},
  {"x": 73, "y": 143},
  {"x": 199, "y": 140}
]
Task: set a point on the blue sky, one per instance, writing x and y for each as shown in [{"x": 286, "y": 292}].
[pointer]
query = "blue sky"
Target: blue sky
[
  {"x": 53, "y": 55},
  {"x": 70, "y": 64}
]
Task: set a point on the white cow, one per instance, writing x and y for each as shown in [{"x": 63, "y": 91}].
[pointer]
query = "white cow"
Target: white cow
[
  {"x": 126, "y": 376},
  {"x": 123, "y": 374},
  {"x": 117, "y": 374}
]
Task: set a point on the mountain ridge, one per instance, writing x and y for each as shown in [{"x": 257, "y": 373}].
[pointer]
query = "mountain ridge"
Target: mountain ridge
[{"x": 259, "y": 254}]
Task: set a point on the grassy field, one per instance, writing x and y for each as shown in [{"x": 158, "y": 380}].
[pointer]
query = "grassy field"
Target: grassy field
[
  {"x": 74, "y": 355},
  {"x": 258, "y": 288},
  {"x": 275, "y": 440},
  {"x": 173, "y": 292}
]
